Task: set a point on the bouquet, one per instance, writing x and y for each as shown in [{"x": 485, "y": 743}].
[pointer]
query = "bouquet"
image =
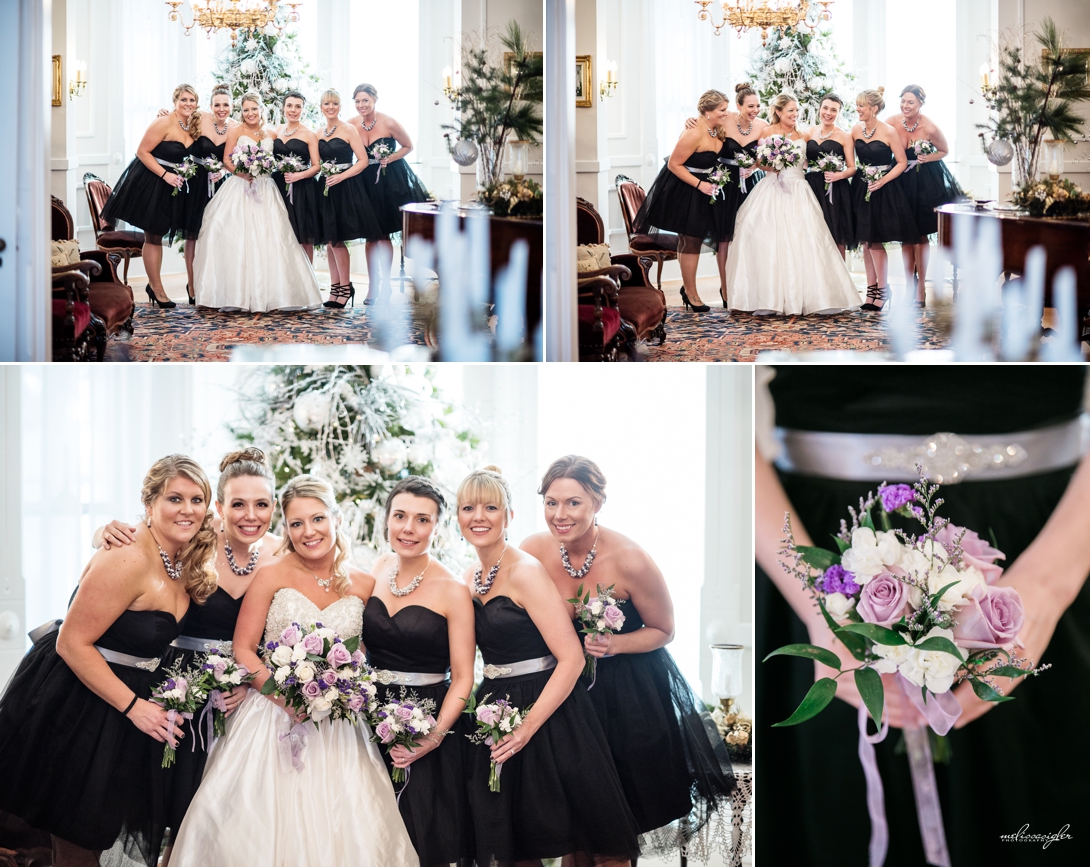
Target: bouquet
[
  {"x": 217, "y": 674},
  {"x": 179, "y": 695},
  {"x": 403, "y": 722},
  {"x": 717, "y": 178},
  {"x": 329, "y": 169},
  {"x": 253, "y": 160},
  {"x": 213, "y": 167},
  {"x": 494, "y": 722},
  {"x": 778, "y": 152},
  {"x": 744, "y": 161},
  {"x": 828, "y": 162},
  {"x": 185, "y": 171},
  {"x": 380, "y": 152},
  {"x": 598, "y": 615},
  {"x": 922, "y": 146},
  {"x": 286, "y": 165},
  {"x": 924, "y": 607},
  {"x": 873, "y": 173}
]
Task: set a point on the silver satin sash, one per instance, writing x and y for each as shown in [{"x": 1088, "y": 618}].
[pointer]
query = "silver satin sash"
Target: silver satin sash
[
  {"x": 201, "y": 645},
  {"x": 174, "y": 166},
  {"x": 741, "y": 180},
  {"x": 947, "y": 458},
  {"x": 516, "y": 669},
  {"x": 38, "y": 633},
  {"x": 408, "y": 678},
  {"x": 126, "y": 659}
]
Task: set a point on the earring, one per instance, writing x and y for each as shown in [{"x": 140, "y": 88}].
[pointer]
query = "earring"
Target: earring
[{"x": 148, "y": 521}]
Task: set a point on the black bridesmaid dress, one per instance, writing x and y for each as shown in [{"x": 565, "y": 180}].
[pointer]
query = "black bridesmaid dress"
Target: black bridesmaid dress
[
  {"x": 434, "y": 806},
  {"x": 145, "y": 200},
  {"x": 302, "y": 202},
  {"x": 733, "y": 196},
  {"x": 560, "y": 794},
  {"x": 390, "y": 188},
  {"x": 669, "y": 767},
  {"x": 933, "y": 185},
  {"x": 673, "y": 205},
  {"x": 838, "y": 212},
  {"x": 210, "y": 625},
  {"x": 1024, "y": 761},
  {"x": 203, "y": 148},
  {"x": 73, "y": 765},
  {"x": 346, "y": 213},
  {"x": 888, "y": 215}
]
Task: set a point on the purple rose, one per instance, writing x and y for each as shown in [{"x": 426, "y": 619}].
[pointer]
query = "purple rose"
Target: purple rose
[
  {"x": 975, "y": 551},
  {"x": 312, "y": 689},
  {"x": 385, "y": 732},
  {"x": 486, "y": 715},
  {"x": 290, "y": 636},
  {"x": 314, "y": 644},
  {"x": 613, "y": 617},
  {"x": 358, "y": 657},
  {"x": 894, "y": 497},
  {"x": 329, "y": 677},
  {"x": 883, "y": 600},
  {"x": 837, "y": 579},
  {"x": 990, "y": 617},
  {"x": 404, "y": 713},
  {"x": 355, "y": 703},
  {"x": 338, "y": 656}
]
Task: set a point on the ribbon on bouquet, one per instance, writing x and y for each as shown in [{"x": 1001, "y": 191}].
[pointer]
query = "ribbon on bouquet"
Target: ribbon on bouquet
[
  {"x": 252, "y": 191},
  {"x": 169, "y": 165},
  {"x": 876, "y": 800},
  {"x": 408, "y": 772},
  {"x": 172, "y": 717},
  {"x": 207, "y": 718},
  {"x": 293, "y": 744},
  {"x": 716, "y": 191},
  {"x": 741, "y": 177},
  {"x": 378, "y": 174},
  {"x": 829, "y": 189}
]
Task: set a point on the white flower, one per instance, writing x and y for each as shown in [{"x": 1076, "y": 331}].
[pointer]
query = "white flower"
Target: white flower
[
  {"x": 783, "y": 65},
  {"x": 305, "y": 671},
  {"x": 838, "y": 605},
  {"x": 251, "y": 45},
  {"x": 596, "y": 607},
  {"x": 892, "y": 657},
  {"x": 235, "y": 677},
  {"x": 281, "y": 674},
  {"x": 282, "y": 655},
  {"x": 325, "y": 633},
  {"x": 332, "y": 694},
  {"x": 320, "y": 708},
  {"x": 956, "y": 595},
  {"x": 298, "y": 653},
  {"x": 248, "y": 66},
  {"x": 934, "y": 669},
  {"x": 600, "y": 624},
  {"x": 213, "y": 659},
  {"x": 505, "y": 724},
  {"x": 871, "y": 553}
]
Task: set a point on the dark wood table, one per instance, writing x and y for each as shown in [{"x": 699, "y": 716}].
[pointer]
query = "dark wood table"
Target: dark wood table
[
  {"x": 1066, "y": 242},
  {"x": 419, "y": 219}
]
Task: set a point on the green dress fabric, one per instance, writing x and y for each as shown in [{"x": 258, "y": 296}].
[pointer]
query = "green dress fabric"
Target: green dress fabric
[{"x": 1024, "y": 762}]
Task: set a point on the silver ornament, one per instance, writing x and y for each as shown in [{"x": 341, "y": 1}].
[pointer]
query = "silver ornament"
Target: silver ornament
[
  {"x": 464, "y": 153},
  {"x": 1000, "y": 152}
]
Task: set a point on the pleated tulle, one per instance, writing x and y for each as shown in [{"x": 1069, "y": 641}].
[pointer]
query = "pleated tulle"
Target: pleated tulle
[
  {"x": 389, "y": 189},
  {"x": 672, "y": 205},
  {"x": 935, "y": 186},
  {"x": 145, "y": 200}
]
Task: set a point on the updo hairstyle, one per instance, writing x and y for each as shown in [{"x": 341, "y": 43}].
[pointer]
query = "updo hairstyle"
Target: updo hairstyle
[
  {"x": 249, "y": 461},
  {"x": 582, "y": 470},
  {"x": 486, "y": 485},
  {"x": 872, "y": 97}
]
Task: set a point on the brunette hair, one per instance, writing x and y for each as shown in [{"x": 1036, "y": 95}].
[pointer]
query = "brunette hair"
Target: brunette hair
[
  {"x": 582, "y": 470},
  {"x": 916, "y": 91},
  {"x": 709, "y": 100},
  {"x": 779, "y": 104},
  {"x": 311, "y": 487},
  {"x": 485, "y": 485},
  {"x": 872, "y": 97},
  {"x": 418, "y": 486},
  {"x": 741, "y": 91},
  {"x": 292, "y": 94},
  {"x": 369, "y": 89},
  {"x": 832, "y": 97},
  {"x": 247, "y": 462}
]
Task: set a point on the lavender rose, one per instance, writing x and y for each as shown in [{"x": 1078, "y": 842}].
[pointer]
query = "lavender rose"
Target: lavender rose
[
  {"x": 355, "y": 703},
  {"x": 358, "y": 657},
  {"x": 314, "y": 644},
  {"x": 338, "y": 656},
  {"x": 990, "y": 617},
  {"x": 404, "y": 713},
  {"x": 975, "y": 551},
  {"x": 613, "y": 617},
  {"x": 291, "y": 635},
  {"x": 385, "y": 732},
  {"x": 486, "y": 715},
  {"x": 312, "y": 690},
  {"x": 329, "y": 677},
  {"x": 883, "y": 600}
]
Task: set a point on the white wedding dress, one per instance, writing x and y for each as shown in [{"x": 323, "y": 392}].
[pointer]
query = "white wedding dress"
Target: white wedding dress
[
  {"x": 247, "y": 256},
  {"x": 783, "y": 259},
  {"x": 252, "y": 808}
]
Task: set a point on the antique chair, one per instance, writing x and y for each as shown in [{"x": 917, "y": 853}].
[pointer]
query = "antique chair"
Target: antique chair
[
  {"x": 76, "y": 331},
  {"x": 107, "y": 238},
  {"x": 660, "y": 247}
]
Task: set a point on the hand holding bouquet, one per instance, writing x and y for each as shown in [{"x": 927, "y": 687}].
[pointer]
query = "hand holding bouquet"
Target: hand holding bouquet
[
  {"x": 328, "y": 169},
  {"x": 253, "y": 160},
  {"x": 873, "y": 174},
  {"x": 598, "y": 615},
  {"x": 403, "y": 722},
  {"x": 921, "y": 147},
  {"x": 185, "y": 171},
  {"x": 381, "y": 152},
  {"x": 718, "y": 178},
  {"x": 218, "y": 673},
  {"x": 179, "y": 695},
  {"x": 828, "y": 162},
  {"x": 745, "y": 165},
  {"x": 288, "y": 165},
  {"x": 494, "y": 722},
  {"x": 215, "y": 170},
  {"x": 778, "y": 152}
]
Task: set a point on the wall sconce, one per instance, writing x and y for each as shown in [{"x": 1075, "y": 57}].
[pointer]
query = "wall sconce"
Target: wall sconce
[
  {"x": 609, "y": 86},
  {"x": 987, "y": 85},
  {"x": 449, "y": 90},
  {"x": 77, "y": 84}
]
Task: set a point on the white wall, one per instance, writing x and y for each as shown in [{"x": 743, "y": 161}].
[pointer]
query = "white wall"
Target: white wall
[{"x": 13, "y": 619}]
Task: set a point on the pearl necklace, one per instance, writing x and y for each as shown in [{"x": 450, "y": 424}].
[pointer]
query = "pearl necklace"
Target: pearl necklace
[
  {"x": 412, "y": 585},
  {"x": 217, "y": 129},
  {"x": 744, "y": 132},
  {"x": 823, "y": 137},
  {"x": 294, "y": 131},
  {"x": 482, "y": 587},
  {"x": 230, "y": 555},
  {"x": 872, "y": 132},
  {"x": 174, "y": 570},
  {"x": 904, "y": 123},
  {"x": 579, "y": 573},
  {"x": 327, "y": 132},
  {"x": 366, "y": 127},
  {"x": 183, "y": 126}
]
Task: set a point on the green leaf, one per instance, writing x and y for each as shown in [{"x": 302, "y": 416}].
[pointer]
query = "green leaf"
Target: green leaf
[
  {"x": 991, "y": 534},
  {"x": 935, "y": 597},
  {"x": 841, "y": 544},
  {"x": 819, "y": 696},
  {"x": 352, "y": 644},
  {"x": 1006, "y": 671},
  {"x": 808, "y": 651},
  {"x": 986, "y": 692},
  {"x": 869, "y": 683},
  {"x": 268, "y": 687},
  {"x": 877, "y": 634},
  {"x": 315, "y": 658},
  {"x": 855, "y": 644},
  {"x": 937, "y": 642},
  {"x": 866, "y": 521},
  {"x": 819, "y": 558}
]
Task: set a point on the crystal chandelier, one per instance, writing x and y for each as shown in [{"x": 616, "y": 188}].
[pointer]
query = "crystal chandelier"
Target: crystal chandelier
[
  {"x": 233, "y": 15},
  {"x": 780, "y": 14}
]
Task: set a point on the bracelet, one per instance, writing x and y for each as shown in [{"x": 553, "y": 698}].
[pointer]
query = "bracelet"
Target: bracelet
[
  {"x": 132, "y": 704},
  {"x": 164, "y": 174}
]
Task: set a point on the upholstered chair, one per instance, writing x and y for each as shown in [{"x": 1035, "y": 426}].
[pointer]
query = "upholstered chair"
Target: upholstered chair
[
  {"x": 660, "y": 247},
  {"x": 125, "y": 244}
]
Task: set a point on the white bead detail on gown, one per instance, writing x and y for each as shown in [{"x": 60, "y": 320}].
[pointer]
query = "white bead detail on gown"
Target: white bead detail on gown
[
  {"x": 783, "y": 259},
  {"x": 247, "y": 255},
  {"x": 339, "y": 809}
]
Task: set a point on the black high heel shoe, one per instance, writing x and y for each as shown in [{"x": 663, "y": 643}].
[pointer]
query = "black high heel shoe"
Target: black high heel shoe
[
  {"x": 155, "y": 302},
  {"x": 874, "y": 294},
  {"x": 192, "y": 298},
  {"x": 696, "y": 308},
  {"x": 348, "y": 293},
  {"x": 723, "y": 295}
]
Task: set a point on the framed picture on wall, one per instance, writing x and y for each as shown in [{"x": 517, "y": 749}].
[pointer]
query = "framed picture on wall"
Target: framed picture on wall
[
  {"x": 56, "y": 79},
  {"x": 1081, "y": 55},
  {"x": 583, "y": 94},
  {"x": 509, "y": 59}
]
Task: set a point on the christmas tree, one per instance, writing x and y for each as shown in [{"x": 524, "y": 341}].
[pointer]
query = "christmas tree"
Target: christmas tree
[
  {"x": 804, "y": 64},
  {"x": 363, "y": 429}
]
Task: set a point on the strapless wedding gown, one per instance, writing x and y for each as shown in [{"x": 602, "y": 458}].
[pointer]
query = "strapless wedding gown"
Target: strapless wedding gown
[
  {"x": 247, "y": 256},
  {"x": 783, "y": 259},
  {"x": 339, "y": 810}
]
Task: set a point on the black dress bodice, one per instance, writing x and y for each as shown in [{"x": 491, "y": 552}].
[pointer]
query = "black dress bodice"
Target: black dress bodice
[
  {"x": 703, "y": 160},
  {"x": 143, "y": 633},
  {"x": 873, "y": 153},
  {"x": 413, "y": 639},
  {"x": 293, "y": 147},
  {"x": 171, "y": 151},
  {"x": 815, "y": 150},
  {"x": 506, "y": 633},
  {"x": 204, "y": 148},
  {"x": 216, "y": 618},
  {"x": 335, "y": 149}
]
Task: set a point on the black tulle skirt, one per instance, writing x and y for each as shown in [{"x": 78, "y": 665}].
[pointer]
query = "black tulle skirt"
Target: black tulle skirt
[
  {"x": 433, "y": 801},
  {"x": 838, "y": 213},
  {"x": 888, "y": 216},
  {"x": 184, "y": 776},
  {"x": 672, "y": 205},
  {"x": 934, "y": 186},
  {"x": 669, "y": 766},
  {"x": 346, "y": 214},
  {"x": 1024, "y": 761},
  {"x": 559, "y": 795},
  {"x": 75, "y": 767},
  {"x": 304, "y": 207},
  {"x": 395, "y": 187},
  {"x": 145, "y": 200}
]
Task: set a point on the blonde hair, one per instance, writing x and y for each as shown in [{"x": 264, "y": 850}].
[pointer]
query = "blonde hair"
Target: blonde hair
[
  {"x": 579, "y": 469},
  {"x": 311, "y": 487},
  {"x": 486, "y": 485},
  {"x": 193, "y": 127},
  {"x": 247, "y": 462},
  {"x": 872, "y": 97},
  {"x": 330, "y": 93},
  {"x": 779, "y": 104},
  {"x": 198, "y": 557}
]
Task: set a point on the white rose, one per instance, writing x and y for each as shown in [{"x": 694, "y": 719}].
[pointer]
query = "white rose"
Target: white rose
[
  {"x": 320, "y": 708},
  {"x": 596, "y": 607},
  {"x": 871, "y": 553},
  {"x": 298, "y": 653},
  {"x": 963, "y": 584},
  {"x": 934, "y": 669},
  {"x": 838, "y": 605},
  {"x": 516, "y": 721},
  {"x": 236, "y": 677},
  {"x": 304, "y": 671},
  {"x": 281, "y": 675},
  {"x": 282, "y": 655},
  {"x": 601, "y": 625},
  {"x": 892, "y": 657},
  {"x": 325, "y": 633},
  {"x": 332, "y": 694},
  {"x": 213, "y": 659}
]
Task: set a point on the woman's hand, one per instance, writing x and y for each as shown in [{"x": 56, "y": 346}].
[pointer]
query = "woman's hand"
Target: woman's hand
[
  {"x": 706, "y": 187},
  {"x": 117, "y": 533},
  {"x": 218, "y": 176},
  {"x": 333, "y": 180},
  {"x": 511, "y": 744},
  {"x": 876, "y": 185},
  {"x": 385, "y": 161},
  {"x": 162, "y": 113},
  {"x": 690, "y": 122},
  {"x": 599, "y": 646},
  {"x": 234, "y": 698},
  {"x": 152, "y": 720},
  {"x": 403, "y": 756},
  {"x": 830, "y": 177},
  {"x": 925, "y": 158},
  {"x": 746, "y": 172},
  {"x": 248, "y": 178},
  {"x": 174, "y": 180},
  {"x": 292, "y": 177}
]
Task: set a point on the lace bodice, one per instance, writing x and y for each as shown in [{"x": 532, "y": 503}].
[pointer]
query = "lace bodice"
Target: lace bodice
[
  {"x": 343, "y": 615},
  {"x": 266, "y": 143},
  {"x": 799, "y": 171}
]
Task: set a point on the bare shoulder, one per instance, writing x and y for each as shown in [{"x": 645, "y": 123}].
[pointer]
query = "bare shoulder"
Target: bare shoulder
[
  {"x": 119, "y": 566},
  {"x": 360, "y": 579},
  {"x": 537, "y": 544},
  {"x": 892, "y": 119},
  {"x": 351, "y": 133},
  {"x": 621, "y": 544},
  {"x": 759, "y": 123}
]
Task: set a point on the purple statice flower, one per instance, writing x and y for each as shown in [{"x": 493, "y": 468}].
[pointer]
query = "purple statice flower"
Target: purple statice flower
[
  {"x": 893, "y": 497},
  {"x": 837, "y": 579}
]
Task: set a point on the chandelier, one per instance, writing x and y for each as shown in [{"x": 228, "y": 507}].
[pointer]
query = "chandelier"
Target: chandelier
[
  {"x": 780, "y": 14},
  {"x": 233, "y": 15}
]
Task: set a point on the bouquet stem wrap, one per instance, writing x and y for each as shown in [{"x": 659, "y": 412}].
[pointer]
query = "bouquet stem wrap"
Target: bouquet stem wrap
[
  {"x": 293, "y": 744},
  {"x": 172, "y": 746}
]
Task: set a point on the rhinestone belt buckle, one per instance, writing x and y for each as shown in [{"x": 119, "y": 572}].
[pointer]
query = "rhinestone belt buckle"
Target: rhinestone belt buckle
[
  {"x": 385, "y": 677},
  {"x": 494, "y": 671},
  {"x": 947, "y": 458},
  {"x": 147, "y": 664}
]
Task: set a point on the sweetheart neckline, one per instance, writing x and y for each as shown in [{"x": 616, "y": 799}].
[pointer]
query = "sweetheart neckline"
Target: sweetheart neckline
[
  {"x": 312, "y": 602},
  {"x": 414, "y": 605}
]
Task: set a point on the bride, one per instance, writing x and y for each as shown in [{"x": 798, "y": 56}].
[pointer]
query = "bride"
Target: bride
[
  {"x": 252, "y": 806},
  {"x": 247, "y": 255},
  {"x": 783, "y": 259}
]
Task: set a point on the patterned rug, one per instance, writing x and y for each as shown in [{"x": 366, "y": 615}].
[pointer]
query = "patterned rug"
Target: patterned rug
[
  {"x": 722, "y": 336},
  {"x": 200, "y": 334}
]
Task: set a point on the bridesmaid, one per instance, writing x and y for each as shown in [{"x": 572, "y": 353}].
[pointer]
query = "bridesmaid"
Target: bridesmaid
[
  {"x": 887, "y": 216},
  {"x": 294, "y": 138},
  {"x": 559, "y": 791},
  {"x": 144, "y": 196},
  {"x": 651, "y": 717},
  {"x": 680, "y": 199},
  {"x": 389, "y": 181},
  {"x": 928, "y": 183},
  {"x": 836, "y": 202},
  {"x": 80, "y": 744},
  {"x": 346, "y": 213},
  {"x": 424, "y": 645}
]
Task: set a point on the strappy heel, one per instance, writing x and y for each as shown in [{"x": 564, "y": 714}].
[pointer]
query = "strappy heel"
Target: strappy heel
[
  {"x": 154, "y": 300},
  {"x": 696, "y": 308},
  {"x": 874, "y": 295},
  {"x": 340, "y": 291}
]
